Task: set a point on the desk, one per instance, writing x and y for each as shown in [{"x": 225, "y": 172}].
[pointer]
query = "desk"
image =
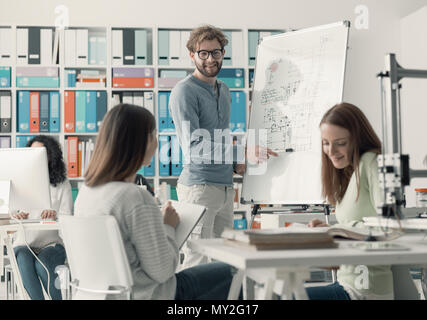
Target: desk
[
  {"x": 6, "y": 241},
  {"x": 289, "y": 264}
]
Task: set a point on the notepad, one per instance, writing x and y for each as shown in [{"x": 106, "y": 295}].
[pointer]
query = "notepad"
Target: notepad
[{"x": 189, "y": 214}]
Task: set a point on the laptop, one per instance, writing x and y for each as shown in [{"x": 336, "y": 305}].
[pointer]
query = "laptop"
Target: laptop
[{"x": 189, "y": 214}]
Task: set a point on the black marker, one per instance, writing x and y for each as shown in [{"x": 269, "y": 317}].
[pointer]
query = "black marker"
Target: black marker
[{"x": 289, "y": 150}]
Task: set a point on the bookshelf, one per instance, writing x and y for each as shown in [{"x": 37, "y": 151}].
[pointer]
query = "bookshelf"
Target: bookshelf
[{"x": 168, "y": 62}]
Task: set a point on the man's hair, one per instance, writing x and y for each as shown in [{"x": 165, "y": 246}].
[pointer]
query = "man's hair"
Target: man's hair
[{"x": 205, "y": 32}]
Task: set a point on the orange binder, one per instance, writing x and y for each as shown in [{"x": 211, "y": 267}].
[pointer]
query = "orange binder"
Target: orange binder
[
  {"x": 131, "y": 82},
  {"x": 73, "y": 157},
  {"x": 34, "y": 111},
  {"x": 79, "y": 159},
  {"x": 69, "y": 111}
]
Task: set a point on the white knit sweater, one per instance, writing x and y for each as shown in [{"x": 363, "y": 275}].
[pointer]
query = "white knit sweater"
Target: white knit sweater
[{"x": 150, "y": 245}]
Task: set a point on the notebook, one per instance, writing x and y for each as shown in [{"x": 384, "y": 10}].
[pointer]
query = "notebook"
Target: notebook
[{"x": 189, "y": 214}]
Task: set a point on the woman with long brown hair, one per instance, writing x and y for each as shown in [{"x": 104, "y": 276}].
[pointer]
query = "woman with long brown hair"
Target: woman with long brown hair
[
  {"x": 126, "y": 141},
  {"x": 350, "y": 183}
]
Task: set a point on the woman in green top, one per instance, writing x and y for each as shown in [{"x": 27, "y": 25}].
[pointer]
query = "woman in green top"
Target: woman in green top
[{"x": 350, "y": 183}]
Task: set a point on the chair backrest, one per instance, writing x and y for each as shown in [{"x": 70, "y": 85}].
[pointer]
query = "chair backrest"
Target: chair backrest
[{"x": 95, "y": 253}]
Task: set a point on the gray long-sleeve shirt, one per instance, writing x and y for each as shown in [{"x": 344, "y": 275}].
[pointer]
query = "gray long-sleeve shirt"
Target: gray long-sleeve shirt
[
  {"x": 202, "y": 118},
  {"x": 150, "y": 245}
]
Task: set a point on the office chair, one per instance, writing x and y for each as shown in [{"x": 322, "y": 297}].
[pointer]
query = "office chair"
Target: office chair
[{"x": 96, "y": 257}]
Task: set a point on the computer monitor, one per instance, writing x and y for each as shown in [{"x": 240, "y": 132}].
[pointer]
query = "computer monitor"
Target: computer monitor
[{"x": 27, "y": 169}]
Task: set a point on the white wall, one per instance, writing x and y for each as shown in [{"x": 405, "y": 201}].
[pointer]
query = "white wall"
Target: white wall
[{"x": 367, "y": 46}]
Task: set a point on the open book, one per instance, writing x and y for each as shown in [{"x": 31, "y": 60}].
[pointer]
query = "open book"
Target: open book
[{"x": 300, "y": 237}]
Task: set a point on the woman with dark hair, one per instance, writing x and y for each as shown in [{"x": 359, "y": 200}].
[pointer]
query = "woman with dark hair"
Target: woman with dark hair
[
  {"x": 126, "y": 141},
  {"x": 350, "y": 183},
  {"x": 46, "y": 245}
]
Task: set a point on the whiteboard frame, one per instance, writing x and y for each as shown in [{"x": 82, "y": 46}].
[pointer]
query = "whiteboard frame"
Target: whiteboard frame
[{"x": 344, "y": 23}]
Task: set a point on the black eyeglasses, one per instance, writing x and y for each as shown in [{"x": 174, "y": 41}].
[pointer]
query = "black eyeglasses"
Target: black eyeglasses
[{"x": 204, "y": 54}]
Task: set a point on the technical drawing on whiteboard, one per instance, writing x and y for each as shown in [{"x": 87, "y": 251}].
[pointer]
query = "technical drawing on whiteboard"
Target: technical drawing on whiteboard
[
  {"x": 299, "y": 75},
  {"x": 288, "y": 97}
]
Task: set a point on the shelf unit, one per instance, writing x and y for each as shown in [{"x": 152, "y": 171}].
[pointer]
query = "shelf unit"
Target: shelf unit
[{"x": 152, "y": 56}]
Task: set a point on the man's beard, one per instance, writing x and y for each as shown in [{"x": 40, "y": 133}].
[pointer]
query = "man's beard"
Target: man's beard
[{"x": 209, "y": 74}]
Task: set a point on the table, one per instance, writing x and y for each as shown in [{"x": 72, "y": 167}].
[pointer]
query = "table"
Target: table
[
  {"x": 292, "y": 266},
  {"x": 6, "y": 241}
]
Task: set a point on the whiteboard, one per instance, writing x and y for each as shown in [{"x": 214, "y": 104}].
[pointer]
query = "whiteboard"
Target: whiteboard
[{"x": 299, "y": 75}]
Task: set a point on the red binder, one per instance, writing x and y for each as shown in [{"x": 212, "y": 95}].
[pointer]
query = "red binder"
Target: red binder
[
  {"x": 34, "y": 111},
  {"x": 73, "y": 167},
  {"x": 69, "y": 111}
]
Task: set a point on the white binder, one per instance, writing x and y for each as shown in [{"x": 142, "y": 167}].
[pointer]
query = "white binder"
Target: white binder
[
  {"x": 70, "y": 47},
  {"x": 82, "y": 47},
  {"x": 21, "y": 46},
  {"x": 46, "y": 46},
  {"x": 117, "y": 47}
]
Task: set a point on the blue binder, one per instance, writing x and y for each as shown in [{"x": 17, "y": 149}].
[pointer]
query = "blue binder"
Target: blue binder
[
  {"x": 91, "y": 111},
  {"x": 44, "y": 111},
  {"x": 23, "y": 118},
  {"x": 21, "y": 141},
  {"x": 163, "y": 111},
  {"x": 176, "y": 162},
  {"x": 163, "y": 47},
  {"x": 164, "y": 156},
  {"x": 149, "y": 171},
  {"x": 80, "y": 111},
  {"x": 227, "y": 61},
  {"x": 101, "y": 107},
  {"x": 4, "y": 77},
  {"x": 55, "y": 113},
  {"x": 141, "y": 47},
  {"x": 238, "y": 111},
  {"x": 171, "y": 124}
]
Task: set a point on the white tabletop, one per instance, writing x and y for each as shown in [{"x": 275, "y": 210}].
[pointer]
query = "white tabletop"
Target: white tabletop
[
  {"x": 243, "y": 258},
  {"x": 30, "y": 226}
]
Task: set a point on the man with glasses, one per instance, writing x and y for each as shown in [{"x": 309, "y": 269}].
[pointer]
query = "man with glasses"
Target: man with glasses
[{"x": 200, "y": 107}]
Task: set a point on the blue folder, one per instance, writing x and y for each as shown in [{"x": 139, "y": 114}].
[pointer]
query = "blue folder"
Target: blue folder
[
  {"x": 21, "y": 141},
  {"x": 23, "y": 118},
  {"x": 4, "y": 77},
  {"x": 90, "y": 111},
  {"x": 238, "y": 111},
  {"x": 101, "y": 107},
  {"x": 80, "y": 111},
  {"x": 163, "y": 111},
  {"x": 44, "y": 111},
  {"x": 55, "y": 113},
  {"x": 149, "y": 171},
  {"x": 164, "y": 156},
  {"x": 176, "y": 161}
]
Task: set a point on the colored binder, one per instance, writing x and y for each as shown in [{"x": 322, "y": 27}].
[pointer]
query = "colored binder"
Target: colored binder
[
  {"x": 253, "y": 44},
  {"x": 164, "y": 156},
  {"x": 69, "y": 111},
  {"x": 91, "y": 111},
  {"x": 163, "y": 47},
  {"x": 37, "y": 82},
  {"x": 141, "y": 47},
  {"x": 101, "y": 108},
  {"x": 23, "y": 123},
  {"x": 5, "y": 112},
  {"x": 133, "y": 82},
  {"x": 176, "y": 161},
  {"x": 4, "y": 77},
  {"x": 238, "y": 111},
  {"x": 21, "y": 141},
  {"x": 80, "y": 111},
  {"x": 54, "y": 115},
  {"x": 33, "y": 45},
  {"x": 44, "y": 111},
  {"x": 128, "y": 46},
  {"x": 101, "y": 50},
  {"x": 227, "y": 61},
  {"x": 34, "y": 111},
  {"x": 163, "y": 111},
  {"x": 72, "y": 157},
  {"x": 149, "y": 171},
  {"x": 93, "y": 52}
]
